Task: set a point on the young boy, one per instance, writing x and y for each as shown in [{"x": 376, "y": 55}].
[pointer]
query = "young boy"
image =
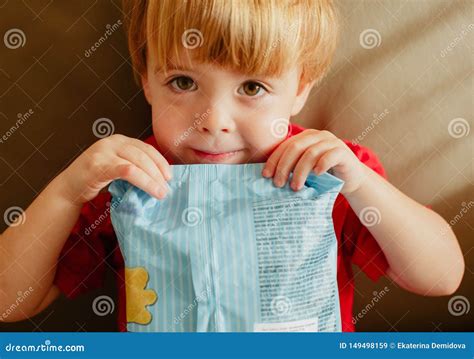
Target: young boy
[{"x": 223, "y": 78}]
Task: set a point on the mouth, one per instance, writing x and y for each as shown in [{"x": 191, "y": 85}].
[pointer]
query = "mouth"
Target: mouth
[{"x": 215, "y": 156}]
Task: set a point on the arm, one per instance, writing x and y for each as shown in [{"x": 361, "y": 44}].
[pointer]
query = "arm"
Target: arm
[
  {"x": 29, "y": 251},
  {"x": 420, "y": 247}
]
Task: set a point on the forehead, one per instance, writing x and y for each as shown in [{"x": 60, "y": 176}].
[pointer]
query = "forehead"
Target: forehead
[
  {"x": 184, "y": 61},
  {"x": 189, "y": 63},
  {"x": 188, "y": 59}
]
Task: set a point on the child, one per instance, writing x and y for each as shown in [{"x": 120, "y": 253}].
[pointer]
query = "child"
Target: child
[{"x": 223, "y": 78}]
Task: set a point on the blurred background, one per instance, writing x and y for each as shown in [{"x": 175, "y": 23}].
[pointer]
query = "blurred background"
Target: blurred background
[{"x": 401, "y": 84}]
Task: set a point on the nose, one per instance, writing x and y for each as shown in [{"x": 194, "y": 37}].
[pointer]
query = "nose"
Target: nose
[{"x": 217, "y": 119}]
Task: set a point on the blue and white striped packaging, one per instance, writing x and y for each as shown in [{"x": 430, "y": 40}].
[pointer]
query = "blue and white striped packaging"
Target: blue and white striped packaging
[{"x": 226, "y": 250}]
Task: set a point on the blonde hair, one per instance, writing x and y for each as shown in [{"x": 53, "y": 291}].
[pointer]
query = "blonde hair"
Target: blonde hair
[{"x": 258, "y": 37}]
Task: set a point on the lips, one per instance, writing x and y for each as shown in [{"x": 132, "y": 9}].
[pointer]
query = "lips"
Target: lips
[
  {"x": 216, "y": 152},
  {"x": 215, "y": 156}
]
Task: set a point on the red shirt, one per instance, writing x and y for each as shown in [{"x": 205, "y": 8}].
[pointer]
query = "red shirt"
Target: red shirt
[{"x": 92, "y": 246}]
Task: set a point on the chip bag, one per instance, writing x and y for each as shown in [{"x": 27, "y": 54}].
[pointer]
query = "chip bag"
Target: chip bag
[{"x": 226, "y": 250}]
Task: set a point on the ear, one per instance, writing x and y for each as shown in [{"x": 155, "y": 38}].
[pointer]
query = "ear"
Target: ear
[
  {"x": 304, "y": 88},
  {"x": 146, "y": 88}
]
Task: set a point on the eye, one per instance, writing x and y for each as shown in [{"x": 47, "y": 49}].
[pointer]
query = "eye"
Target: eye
[
  {"x": 252, "y": 89},
  {"x": 182, "y": 83}
]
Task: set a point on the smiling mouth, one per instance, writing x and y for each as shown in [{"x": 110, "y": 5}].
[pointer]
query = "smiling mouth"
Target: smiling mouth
[{"x": 215, "y": 156}]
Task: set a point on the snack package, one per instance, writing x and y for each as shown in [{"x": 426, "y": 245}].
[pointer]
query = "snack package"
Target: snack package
[{"x": 227, "y": 250}]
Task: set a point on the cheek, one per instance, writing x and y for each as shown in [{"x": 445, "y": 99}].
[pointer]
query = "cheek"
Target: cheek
[
  {"x": 266, "y": 127},
  {"x": 263, "y": 135},
  {"x": 168, "y": 126}
]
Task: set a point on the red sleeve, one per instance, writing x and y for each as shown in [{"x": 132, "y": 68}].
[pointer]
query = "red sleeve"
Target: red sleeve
[
  {"x": 366, "y": 253},
  {"x": 294, "y": 129},
  {"x": 82, "y": 262}
]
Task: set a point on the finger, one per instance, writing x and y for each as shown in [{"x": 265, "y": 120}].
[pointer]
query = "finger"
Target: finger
[
  {"x": 272, "y": 161},
  {"x": 330, "y": 159},
  {"x": 139, "y": 178},
  {"x": 308, "y": 137},
  {"x": 287, "y": 162},
  {"x": 308, "y": 161},
  {"x": 140, "y": 159},
  {"x": 292, "y": 155},
  {"x": 156, "y": 156}
]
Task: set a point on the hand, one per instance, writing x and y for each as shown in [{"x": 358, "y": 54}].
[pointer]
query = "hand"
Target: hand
[
  {"x": 317, "y": 151},
  {"x": 115, "y": 157}
]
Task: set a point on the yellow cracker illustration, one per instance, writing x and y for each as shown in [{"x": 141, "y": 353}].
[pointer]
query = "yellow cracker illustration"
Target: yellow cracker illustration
[{"x": 137, "y": 296}]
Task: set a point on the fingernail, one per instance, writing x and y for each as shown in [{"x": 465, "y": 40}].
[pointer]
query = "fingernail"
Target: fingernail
[
  {"x": 161, "y": 192},
  {"x": 266, "y": 172}
]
